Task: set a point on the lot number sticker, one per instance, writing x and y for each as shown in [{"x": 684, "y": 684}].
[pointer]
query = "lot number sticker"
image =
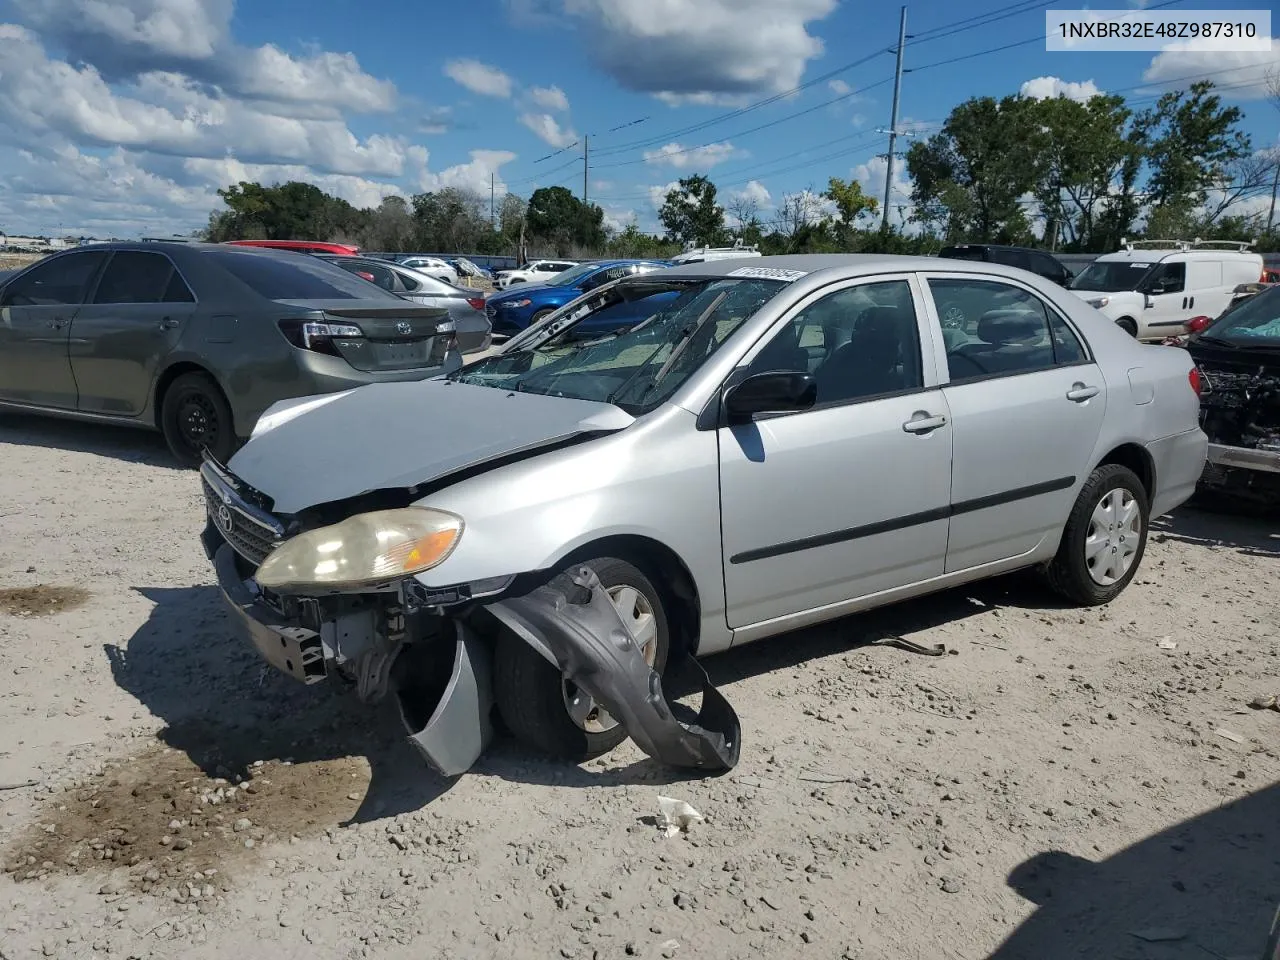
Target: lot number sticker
[{"x": 767, "y": 273}]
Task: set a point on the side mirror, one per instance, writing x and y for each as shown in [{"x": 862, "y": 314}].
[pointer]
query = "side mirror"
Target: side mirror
[{"x": 776, "y": 391}]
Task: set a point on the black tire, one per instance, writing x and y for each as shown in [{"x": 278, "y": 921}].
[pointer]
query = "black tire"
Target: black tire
[
  {"x": 1128, "y": 325},
  {"x": 1068, "y": 573},
  {"x": 537, "y": 317},
  {"x": 194, "y": 415},
  {"x": 530, "y": 692}
]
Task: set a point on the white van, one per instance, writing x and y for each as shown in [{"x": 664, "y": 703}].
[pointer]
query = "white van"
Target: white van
[
  {"x": 700, "y": 254},
  {"x": 1151, "y": 288}
]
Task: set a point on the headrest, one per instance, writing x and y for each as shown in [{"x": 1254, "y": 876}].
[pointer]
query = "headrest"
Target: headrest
[
  {"x": 1004, "y": 327},
  {"x": 879, "y": 320}
]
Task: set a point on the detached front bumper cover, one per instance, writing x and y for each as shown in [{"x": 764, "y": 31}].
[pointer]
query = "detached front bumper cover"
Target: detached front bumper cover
[{"x": 574, "y": 621}]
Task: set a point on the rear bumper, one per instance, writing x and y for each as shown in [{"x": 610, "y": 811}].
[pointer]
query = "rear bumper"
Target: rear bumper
[
  {"x": 1244, "y": 458},
  {"x": 1179, "y": 461}
]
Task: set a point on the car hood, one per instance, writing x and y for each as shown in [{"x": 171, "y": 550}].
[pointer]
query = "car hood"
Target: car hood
[{"x": 380, "y": 436}]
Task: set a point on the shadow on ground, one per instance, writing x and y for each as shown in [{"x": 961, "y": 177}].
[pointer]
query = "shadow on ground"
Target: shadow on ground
[
  {"x": 130, "y": 444},
  {"x": 1207, "y": 887},
  {"x": 1253, "y": 534}
]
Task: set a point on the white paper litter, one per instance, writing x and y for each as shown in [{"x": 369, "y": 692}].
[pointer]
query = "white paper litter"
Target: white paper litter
[
  {"x": 1164, "y": 643},
  {"x": 676, "y": 816}
]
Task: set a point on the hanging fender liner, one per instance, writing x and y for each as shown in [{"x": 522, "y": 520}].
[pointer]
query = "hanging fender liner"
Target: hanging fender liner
[{"x": 573, "y": 618}]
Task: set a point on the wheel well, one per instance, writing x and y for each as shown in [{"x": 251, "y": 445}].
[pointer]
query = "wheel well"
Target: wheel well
[
  {"x": 1137, "y": 459},
  {"x": 166, "y": 381},
  {"x": 664, "y": 567}
]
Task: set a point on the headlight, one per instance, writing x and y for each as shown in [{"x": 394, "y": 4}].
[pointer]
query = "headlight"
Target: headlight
[
  {"x": 518, "y": 303},
  {"x": 1099, "y": 302},
  {"x": 364, "y": 550}
]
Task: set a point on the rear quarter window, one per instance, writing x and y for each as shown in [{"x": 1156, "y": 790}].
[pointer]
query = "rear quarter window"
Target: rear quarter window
[{"x": 278, "y": 278}]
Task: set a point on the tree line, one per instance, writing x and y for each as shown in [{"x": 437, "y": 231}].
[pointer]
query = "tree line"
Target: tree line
[{"x": 1068, "y": 175}]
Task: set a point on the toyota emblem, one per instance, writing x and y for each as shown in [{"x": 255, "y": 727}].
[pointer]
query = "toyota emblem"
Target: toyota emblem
[
  {"x": 403, "y": 328},
  {"x": 225, "y": 520}
]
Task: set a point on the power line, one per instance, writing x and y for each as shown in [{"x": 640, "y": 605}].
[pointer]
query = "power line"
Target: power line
[{"x": 979, "y": 20}]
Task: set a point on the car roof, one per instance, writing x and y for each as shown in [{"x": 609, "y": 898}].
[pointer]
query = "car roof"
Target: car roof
[
  {"x": 186, "y": 248},
  {"x": 849, "y": 264}
]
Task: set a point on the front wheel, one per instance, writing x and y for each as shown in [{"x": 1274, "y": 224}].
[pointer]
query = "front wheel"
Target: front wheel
[
  {"x": 195, "y": 416},
  {"x": 1104, "y": 539},
  {"x": 545, "y": 710}
]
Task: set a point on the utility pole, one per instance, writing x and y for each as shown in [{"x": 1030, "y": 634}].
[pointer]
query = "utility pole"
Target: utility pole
[
  {"x": 893, "y": 122},
  {"x": 493, "y": 223},
  {"x": 1275, "y": 185},
  {"x": 585, "y": 140}
]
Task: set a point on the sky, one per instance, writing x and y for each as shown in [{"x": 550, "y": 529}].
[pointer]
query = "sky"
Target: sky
[{"x": 121, "y": 118}]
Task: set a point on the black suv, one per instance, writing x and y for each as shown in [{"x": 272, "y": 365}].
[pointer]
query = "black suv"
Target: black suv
[{"x": 1025, "y": 258}]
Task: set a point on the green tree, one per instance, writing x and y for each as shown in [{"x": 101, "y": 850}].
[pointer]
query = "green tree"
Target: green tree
[
  {"x": 969, "y": 179},
  {"x": 288, "y": 211},
  {"x": 690, "y": 212},
  {"x": 556, "y": 217},
  {"x": 1194, "y": 140},
  {"x": 852, "y": 205}
]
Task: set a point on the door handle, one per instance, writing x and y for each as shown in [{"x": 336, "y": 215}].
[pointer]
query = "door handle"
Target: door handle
[
  {"x": 57, "y": 323},
  {"x": 922, "y": 422},
  {"x": 1080, "y": 392},
  {"x": 168, "y": 323},
  {"x": 1192, "y": 303}
]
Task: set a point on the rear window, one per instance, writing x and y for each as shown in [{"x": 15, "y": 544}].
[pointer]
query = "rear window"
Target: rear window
[
  {"x": 300, "y": 278},
  {"x": 1253, "y": 323}
]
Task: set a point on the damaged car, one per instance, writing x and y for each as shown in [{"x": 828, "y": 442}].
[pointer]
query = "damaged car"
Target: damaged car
[
  {"x": 1238, "y": 358},
  {"x": 764, "y": 447}
]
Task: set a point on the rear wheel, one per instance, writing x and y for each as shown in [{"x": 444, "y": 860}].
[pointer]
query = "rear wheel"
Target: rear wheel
[
  {"x": 1128, "y": 325},
  {"x": 549, "y": 712},
  {"x": 195, "y": 416},
  {"x": 537, "y": 317},
  {"x": 1104, "y": 539}
]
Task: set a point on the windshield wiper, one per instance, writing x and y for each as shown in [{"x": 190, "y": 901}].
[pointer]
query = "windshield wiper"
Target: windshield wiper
[{"x": 682, "y": 341}]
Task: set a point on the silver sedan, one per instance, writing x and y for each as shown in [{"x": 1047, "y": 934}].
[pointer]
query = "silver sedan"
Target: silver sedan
[{"x": 772, "y": 443}]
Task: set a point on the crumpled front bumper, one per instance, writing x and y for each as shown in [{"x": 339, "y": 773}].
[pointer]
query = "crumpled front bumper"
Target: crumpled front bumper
[{"x": 570, "y": 622}]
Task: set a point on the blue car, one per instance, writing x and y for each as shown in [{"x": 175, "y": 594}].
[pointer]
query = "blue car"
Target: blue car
[{"x": 515, "y": 309}]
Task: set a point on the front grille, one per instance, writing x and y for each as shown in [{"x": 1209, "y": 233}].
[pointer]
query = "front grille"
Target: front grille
[{"x": 250, "y": 536}]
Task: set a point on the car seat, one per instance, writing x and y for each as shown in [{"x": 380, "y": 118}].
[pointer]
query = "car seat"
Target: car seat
[{"x": 868, "y": 364}]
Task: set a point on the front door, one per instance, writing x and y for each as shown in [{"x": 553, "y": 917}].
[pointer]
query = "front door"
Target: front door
[
  {"x": 36, "y": 311},
  {"x": 1026, "y": 402},
  {"x": 849, "y": 498},
  {"x": 1168, "y": 303},
  {"x": 119, "y": 339}
]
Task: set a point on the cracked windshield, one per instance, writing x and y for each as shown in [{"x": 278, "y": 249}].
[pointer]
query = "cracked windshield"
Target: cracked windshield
[{"x": 642, "y": 366}]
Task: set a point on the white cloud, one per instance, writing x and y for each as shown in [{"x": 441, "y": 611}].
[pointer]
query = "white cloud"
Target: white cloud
[
  {"x": 617, "y": 221},
  {"x": 473, "y": 175},
  {"x": 756, "y": 192},
  {"x": 1246, "y": 81},
  {"x": 336, "y": 79},
  {"x": 171, "y": 114},
  {"x": 684, "y": 158},
  {"x": 1047, "y": 88},
  {"x": 871, "y": 177},
  {"x": 177, "y": 29},
  {"x": 840, "y": 88},
  {"x": 549, "y": 98},
  {"x": 479, "y": 78},
  {"x": 358, "y": 191},
  {"x": 548, "y": 129},
  {"x": 711, "y": 48},
  {"x": 658, "y": 194}
]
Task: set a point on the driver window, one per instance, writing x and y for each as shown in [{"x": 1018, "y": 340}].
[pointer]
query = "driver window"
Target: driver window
[
  {"x": 1168, "y": 278},
  {"x": 858, "y": 343}
]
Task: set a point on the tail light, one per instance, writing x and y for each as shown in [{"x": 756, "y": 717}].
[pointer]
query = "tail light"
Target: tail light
[
  {"x": 1196, "y": 324},
  {"x": 318, "y": 337},
  {"x": 1193, "y": 377},
  {"x": 475, "y": 303}
]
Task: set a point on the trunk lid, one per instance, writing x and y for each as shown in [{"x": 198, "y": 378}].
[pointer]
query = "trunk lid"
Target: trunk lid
[
  {"x": 317, "y": 450},
  {"x": 395, "y": 336}
]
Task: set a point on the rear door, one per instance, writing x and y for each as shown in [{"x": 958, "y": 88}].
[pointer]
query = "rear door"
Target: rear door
[
  {"x": 120, "y": 338},
  {"x": 36, "y": 312},
  {"x": 1026, "y": 402},
  {"x": 1206, "y": 293}
]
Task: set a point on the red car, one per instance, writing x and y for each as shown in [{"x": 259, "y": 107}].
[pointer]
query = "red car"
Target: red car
[{"x": 301, "y": 246}]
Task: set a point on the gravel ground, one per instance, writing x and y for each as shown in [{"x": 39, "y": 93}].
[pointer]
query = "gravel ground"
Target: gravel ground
[{"x": 1065, "y": 784}]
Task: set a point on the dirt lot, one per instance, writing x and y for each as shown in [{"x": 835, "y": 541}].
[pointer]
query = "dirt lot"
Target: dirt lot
[{"x": 1066, "y": 784}]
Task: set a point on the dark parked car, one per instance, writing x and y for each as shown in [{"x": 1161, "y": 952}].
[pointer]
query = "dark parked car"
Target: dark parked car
[
  {"x": 466, "y": 307},
  {"x": 197, "y": 340},
  {"x": 1238, "y": 356},
  {"x": 1024, "y": 258}
]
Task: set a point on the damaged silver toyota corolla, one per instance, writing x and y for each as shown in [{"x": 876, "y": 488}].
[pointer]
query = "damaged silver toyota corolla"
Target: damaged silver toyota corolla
[{"x": 552, "y": 531}]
